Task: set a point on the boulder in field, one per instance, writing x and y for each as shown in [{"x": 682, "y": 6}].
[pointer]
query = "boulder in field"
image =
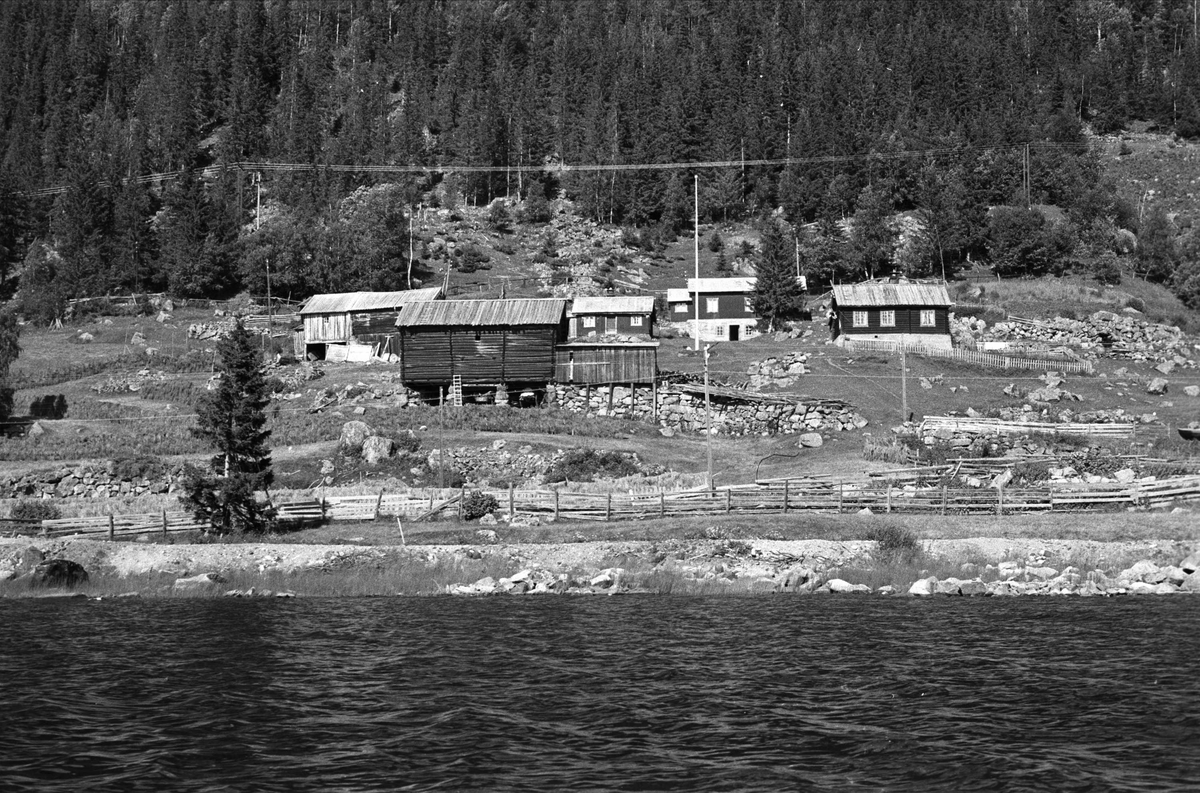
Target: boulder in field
[
  {"x": 1192, "y": 390},
  {"x": 354, "y": 433},
  {"x": 839, "y": 585},
  {"x": 377, "y": 448},
  {"x": 1191, "y": 563},
  {"x": 1157, "y": 387},
  {"x": 972, "y": 588},
  {"x": 811, "y": 440},
  {"x": 922, "y": 587}
]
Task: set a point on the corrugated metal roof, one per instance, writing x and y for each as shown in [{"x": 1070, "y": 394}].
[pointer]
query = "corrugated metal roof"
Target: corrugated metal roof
[
  {"x": 879, "y": 293},
  {"x": 608, "y": 304},
  {"x": 708, "y": 285},
  {"x": 677, "y": 295},
  {"x": 478, "y": 313},
  {"x": 340, "y": 302}
]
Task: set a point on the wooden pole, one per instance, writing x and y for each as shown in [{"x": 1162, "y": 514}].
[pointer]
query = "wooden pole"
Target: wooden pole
[
  {"x": 462, "y": 496},
  {"x": 841, "y": 494},
  {"x": 662, "y": 503},
  {"x": 378, "y": 504},
  {"x": 889, "y": 496},
  {"x": 786, "y": 484},
  {"x": 401, "y": 528},
  {"x": 1000, "y": 500},
  {"x": 556, "y": 505},
  {"x": 903, "y": 384},
  {"x": 164, "y": 519},
  {"x": 707, "y": 415},
  {"x": 512, "y": 509},
  {"x": 608, "y": 509},
  {"x": 112, "y": 528},
  {"x": 729, "y": 500},
  {"x": 943, "y": 499},
  {"x": 696, "y": 251}
]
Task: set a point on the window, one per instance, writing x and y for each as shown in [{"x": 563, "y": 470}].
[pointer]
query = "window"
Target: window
[
  {"x": 860, "y": 319},
  {"x": 711, "y": 305},
  {"x": 749, "y": 305},
  {"x": 681, "y": 308},
  {"x": 720, "y": 331},
  {"x": 635, "y": 321},
  {"x": 887, "y": 318},
  {"x": 927, "y": 318},
  {"x": 589, "y": 322}
]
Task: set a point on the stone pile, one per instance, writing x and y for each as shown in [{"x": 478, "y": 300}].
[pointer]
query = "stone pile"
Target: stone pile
[
  {"x": 129, "y": 381},
  {"x": 481, "y": 466},
  {"x": 85, "y": 481},
  {"x": 1011, "y": 578},
  {"x": 1103, "y": 334},
  {"x": 358, "y": 394},
  {"x": 778, "y": 372},
  {"x": 213, "y": 331}
]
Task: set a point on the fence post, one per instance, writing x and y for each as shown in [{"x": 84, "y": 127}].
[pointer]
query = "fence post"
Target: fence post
[
  {"x": 785, "y": 495},
  {"x": 729, "y": 499},
  {"x": 462, "y": 496},
  {"x": 556, "y": 505},
  {"x": 1051, "y": 496},
  {"x": 112, "y": 528},
  {"x": 841, "y": 494},
  {"x": 378, "y": 504},
  {"x": 608, "y": 509},
  {"x": 512, "y": 509},
  {"x": 888, "y": 485},
  {"x": 662, "y": 503},
  {"x": 1000, "y": 499},
  {"x": 164, "y": 517},
  {"x": 943, "y": 500}
]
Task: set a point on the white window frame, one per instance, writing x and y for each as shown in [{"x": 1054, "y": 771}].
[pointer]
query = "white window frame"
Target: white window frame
[
  {"x": 712, "y": 305},
  {"x": 681, "y": 308},
  {"x": 589, "y": 322},
  {"x": 635, "y": 321},
  {"x": 749, "y": 304},
  {"x": 928, "y": 318},
  {"x": 887, "y": 318},
  {"x": 860, "y": 319},
  {"x": 720, "y": 331}
]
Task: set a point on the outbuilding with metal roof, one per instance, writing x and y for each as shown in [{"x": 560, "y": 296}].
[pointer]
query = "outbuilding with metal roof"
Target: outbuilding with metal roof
[
  {"x": 612, "y": 315},
  {"x": 356, "y": 325}
]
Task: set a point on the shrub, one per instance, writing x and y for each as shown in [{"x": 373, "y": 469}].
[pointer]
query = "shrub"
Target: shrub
[
  {"x": 585, "y": 465},
  {"x": 476, "y": 504},
  {"x": 894, "y": 544},
  {"x": 715, "y": 243},
  {"x": 1137, "y": 304},
  {"x": 29, "y": 509}
]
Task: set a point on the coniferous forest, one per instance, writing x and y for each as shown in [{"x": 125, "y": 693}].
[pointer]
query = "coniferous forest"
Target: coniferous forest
[{"x": 132, "y": 131}]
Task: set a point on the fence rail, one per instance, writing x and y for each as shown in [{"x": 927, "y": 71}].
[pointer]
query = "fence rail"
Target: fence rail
[
  {"x": 906, "y": 491},
  {"x": 974, "y": 356},
  {"x": 1001, "y": 427}
]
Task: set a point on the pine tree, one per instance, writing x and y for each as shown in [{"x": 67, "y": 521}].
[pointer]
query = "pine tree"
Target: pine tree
[
  {"x": 10, "y": 350},
  {"x": 231, "y": 419},
  {"x": 776, "y": 292}
]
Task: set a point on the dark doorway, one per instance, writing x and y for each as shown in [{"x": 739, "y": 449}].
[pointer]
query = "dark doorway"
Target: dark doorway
[{"x": 735, "y": 332}]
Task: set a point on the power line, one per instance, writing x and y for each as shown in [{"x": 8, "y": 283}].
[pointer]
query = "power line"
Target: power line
[{"x": 560, "y": 167}]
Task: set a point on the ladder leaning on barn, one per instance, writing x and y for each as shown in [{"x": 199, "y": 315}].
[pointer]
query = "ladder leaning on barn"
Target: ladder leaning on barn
[{"x": 456, "y": 391}]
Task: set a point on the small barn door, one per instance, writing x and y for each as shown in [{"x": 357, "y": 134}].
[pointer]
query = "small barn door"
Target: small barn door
[{"x": 610, "y": 326}]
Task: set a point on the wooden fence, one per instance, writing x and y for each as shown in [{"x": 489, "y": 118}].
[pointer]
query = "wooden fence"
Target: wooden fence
[
  {"x": 907, "y": 491},
  {"x": 973, "y": 356},
  {"x": 984, "y": 426}
]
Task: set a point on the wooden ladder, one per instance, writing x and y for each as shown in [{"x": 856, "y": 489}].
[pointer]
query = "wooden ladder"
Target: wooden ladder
[{"x": 456, "y": 391}]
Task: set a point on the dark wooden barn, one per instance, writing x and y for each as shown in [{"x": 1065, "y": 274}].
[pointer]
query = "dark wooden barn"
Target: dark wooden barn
[
  {"x": 901, "y": 311},
  {"x": 482, "y": 342},
  {"x": 356, "y": 325}
]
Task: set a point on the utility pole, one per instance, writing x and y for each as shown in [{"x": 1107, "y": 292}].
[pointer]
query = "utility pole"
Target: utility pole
[
  {"x": 708, "y": 418},
  {"x": 903, "y": 384},
  {"x": 410, "y": 245},
  {"x": 696, "y": 253}
]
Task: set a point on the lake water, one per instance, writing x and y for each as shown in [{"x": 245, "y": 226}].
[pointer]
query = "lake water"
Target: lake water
[{"x": 601, "y": 693}]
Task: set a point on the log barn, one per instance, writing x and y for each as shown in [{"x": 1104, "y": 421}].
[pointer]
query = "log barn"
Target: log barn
[
  {"x": 899, "y": 311},
  {"x": 502, "y": 344},
  {"x": 356, "y": 325}
]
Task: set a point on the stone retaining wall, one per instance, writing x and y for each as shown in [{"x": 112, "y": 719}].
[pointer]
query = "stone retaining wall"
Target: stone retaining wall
[
  {"x": 90, "y": 481},
  {"x": 686, "y": 412}
]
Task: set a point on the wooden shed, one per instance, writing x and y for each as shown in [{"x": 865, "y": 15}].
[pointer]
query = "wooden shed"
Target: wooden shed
[
  {"x": 900, "y": 311},
  {"x": 611, "y": 362},
  {"x": 482, "y": 342},
  {"x": 354, "y": 325},
  {"x": 595, "y": 317}
]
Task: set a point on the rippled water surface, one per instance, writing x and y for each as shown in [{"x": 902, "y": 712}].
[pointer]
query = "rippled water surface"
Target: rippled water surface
[{"x": 622, "y": 693}]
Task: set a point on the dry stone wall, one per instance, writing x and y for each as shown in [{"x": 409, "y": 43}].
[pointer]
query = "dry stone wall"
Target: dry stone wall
[
  {"x": 679, "y": 410},
  {"x": 88, "y": 481}
]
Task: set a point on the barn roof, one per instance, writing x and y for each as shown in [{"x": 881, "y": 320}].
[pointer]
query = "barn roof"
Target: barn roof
[
  {"x": 678, "y": 295},
  {"x": 881, "y": 293},
  {"x": 612, "y": 305},
  {"x": 703, "y": 285},
  {"x": 476, "y": 313},
  {"x": 340, "y": 302}
]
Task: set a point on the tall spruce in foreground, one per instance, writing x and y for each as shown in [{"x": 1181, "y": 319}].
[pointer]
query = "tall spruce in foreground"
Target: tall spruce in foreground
[
  {"x": 231, "y": 419},
  {"x": 776, "y": 293}
]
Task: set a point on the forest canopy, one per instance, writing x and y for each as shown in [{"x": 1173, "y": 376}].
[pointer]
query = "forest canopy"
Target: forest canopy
[{"x": 838, "y": 109}]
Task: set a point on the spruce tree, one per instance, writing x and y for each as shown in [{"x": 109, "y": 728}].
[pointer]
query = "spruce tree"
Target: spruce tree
[
  {"x": 231, "y": 419},
  {"x": 776, "y": 292}
]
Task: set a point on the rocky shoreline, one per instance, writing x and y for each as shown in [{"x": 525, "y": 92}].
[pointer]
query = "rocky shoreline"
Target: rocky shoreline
[{"x": 967, "y": 567}]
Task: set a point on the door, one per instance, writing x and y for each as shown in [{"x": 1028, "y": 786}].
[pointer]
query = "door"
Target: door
[{"x": 735, "y": 332}]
